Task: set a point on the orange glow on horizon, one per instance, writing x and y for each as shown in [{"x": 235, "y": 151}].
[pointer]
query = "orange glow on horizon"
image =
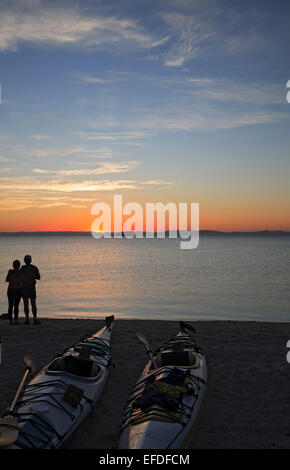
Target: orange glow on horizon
[{"x": 71, "y": 219}]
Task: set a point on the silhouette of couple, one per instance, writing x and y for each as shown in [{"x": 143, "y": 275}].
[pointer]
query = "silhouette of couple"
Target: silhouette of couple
[{"x": 22, "y": 284}]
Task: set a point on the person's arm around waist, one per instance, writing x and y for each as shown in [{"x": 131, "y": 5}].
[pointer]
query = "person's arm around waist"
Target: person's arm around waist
[
  {"x": 37, "y": 274},
  {"x": 26, "y": 280}
]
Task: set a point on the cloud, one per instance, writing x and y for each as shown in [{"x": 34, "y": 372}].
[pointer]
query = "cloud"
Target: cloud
[
  {"x": 189, "y": 34},
  {"x": 216, "y": 29},
  {"x": 5, "y": 170},
  {"x": 71, "y": 150},
  {"x": 5, "y": 159},
  {"x": 206, "y": 120},
  {"x": 40, "y": 137},
  {"x": 113, "y": 137},
  {"x": 201, "y": 81},
  {"x": 65, "y": 187},
  {"x": 205, "y": 103},
  {"x": 31, "y": 185},
  {"x": 237, "y": 91},
  {"x": 69, "y": 26},
  {"x": 177, "y": 61},
  {"x": 104, "y": 168},
  {"x": 19, "y": 200},
  {"x": 106, "y": 121},
  {"x": 92, "y": 79}
]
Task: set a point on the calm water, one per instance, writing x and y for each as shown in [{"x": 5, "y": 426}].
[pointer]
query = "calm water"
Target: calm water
[{"x": 224, "y": 278}]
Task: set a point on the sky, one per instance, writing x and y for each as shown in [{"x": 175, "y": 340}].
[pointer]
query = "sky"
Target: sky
[{"x": 160, "y": 101}]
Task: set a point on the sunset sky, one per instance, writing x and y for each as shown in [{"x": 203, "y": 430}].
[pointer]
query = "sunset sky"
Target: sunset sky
[{"x": 165, "y": 100}]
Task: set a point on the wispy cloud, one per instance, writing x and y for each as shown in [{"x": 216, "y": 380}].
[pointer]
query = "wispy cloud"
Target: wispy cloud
[
  {"x": 189, "y": 34},
  {"x": 236, "y": 91},
  {"x": 114, "y": 136},
  {"x": 69, "y": 26},
  {"x": 5, "y": 159},
  {"x": 106, "y": 121},
  {"x": 5, "y": 170},
  {"x": 210, "y": 119},
  {"x": 92, "y": 79},
  {"x": 201, "y": 81},
  {"x": 104, "y": 168},
  {"x": 97, "y": 152},
  {"x": 18, "y": 200},
  {"x": 214, "y": 29},
  {"x": 32, "y": 192},
  {"x": 205, "y": 103},
  {"x": 40, "y": 137},
  {"x": 52, "y": 188}
]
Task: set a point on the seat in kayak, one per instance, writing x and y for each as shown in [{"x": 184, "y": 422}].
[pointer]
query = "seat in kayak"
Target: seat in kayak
[
  {"x": 176, "y": 358},
  {"x": 74, "y": 365}
]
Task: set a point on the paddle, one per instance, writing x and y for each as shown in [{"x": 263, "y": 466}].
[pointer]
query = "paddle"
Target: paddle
[
  {"x": 9, "y": 427},
  {"x": 143, "y": 340},
  {"x": 185, "y": 326}
]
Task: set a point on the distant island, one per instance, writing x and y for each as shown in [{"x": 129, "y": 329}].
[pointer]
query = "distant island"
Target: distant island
[{"x": 262, "y": 233}]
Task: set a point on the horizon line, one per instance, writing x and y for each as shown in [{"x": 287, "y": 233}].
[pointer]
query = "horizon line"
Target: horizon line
[{"x": 85, "y": 232}]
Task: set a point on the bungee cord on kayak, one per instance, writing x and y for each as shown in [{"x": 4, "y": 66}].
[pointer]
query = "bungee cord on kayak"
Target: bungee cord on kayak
[{"x": 60, "y": 396}]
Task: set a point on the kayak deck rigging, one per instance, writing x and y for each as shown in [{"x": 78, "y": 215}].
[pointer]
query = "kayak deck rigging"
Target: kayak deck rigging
[
  {"x": 34, "y": 395},
  {"x": 44, "y": 432},
  {"x": 174, "y": 346},
  {"x": 62, "y": 394},
  {"x": 155, "y": 412}
]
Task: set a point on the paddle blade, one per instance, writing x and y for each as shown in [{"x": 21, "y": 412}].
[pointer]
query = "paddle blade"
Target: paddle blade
[
  {"x": 185, "y": 326},
  {"x": 109, "y": 320},
  {"x": 30, "y": 362},
  {"x": 142, "y": 338},
  {"x": 9, "y": 430}
]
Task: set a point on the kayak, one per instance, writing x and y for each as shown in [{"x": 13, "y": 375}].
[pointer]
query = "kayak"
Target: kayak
[
  {"x": 58, "y": 399},
  {"x": 165, "y": 401}
]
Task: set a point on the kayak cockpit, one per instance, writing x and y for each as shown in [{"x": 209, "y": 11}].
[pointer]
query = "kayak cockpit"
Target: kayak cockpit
[
  {"x": 74, "y": 365},
  {"x": 184, "y": 359}
]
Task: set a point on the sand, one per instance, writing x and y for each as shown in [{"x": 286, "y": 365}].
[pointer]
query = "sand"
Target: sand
[{"x": 247, "y": 404}]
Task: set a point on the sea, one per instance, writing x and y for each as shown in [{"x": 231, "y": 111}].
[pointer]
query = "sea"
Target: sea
[{"x": 238, "y": 278}]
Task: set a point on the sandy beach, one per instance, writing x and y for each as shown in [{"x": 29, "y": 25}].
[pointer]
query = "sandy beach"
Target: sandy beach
[{"x": 247, "y": 402}]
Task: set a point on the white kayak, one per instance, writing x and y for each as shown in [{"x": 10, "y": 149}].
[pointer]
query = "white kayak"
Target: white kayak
[
  {"x": 58, "y": 399},
  {"x": 166, "y": 400}
]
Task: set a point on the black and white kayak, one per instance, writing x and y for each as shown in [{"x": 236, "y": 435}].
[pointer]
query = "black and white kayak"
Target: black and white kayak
[
  {"x": 166, "y": 399},
  {"x": 58, "y": 399}
]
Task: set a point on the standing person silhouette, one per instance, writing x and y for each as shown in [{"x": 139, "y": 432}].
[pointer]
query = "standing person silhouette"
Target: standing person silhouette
[
  {"x": 29, "y": 274},
  {"x": 14, "y": 291}
]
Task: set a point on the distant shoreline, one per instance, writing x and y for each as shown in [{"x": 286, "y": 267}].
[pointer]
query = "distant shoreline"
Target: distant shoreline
[{"x": 261, "y": 233}]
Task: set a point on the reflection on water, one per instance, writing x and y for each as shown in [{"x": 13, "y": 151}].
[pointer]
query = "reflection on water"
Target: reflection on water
[{"x": 224, "y": 278}]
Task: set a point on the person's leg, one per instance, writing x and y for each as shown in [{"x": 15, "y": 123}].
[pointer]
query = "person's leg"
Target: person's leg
[
  {"x": 34, "y": 311},
  {"x": 34, "y": 308},
  {"x": 16, "y": 308},
  {"x": 26, "y": 308},
  {"x": 10, "y": 307}
]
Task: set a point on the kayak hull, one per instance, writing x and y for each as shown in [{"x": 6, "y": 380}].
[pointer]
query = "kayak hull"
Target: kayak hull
[{"x": 156, "y": 427}]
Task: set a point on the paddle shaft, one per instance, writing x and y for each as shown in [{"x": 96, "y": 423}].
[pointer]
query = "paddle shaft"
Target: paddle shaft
[
  {"x": 11, "y": 408},
  {"x": 150, "y": 354},
  {"x": 143, "y": 340}
]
